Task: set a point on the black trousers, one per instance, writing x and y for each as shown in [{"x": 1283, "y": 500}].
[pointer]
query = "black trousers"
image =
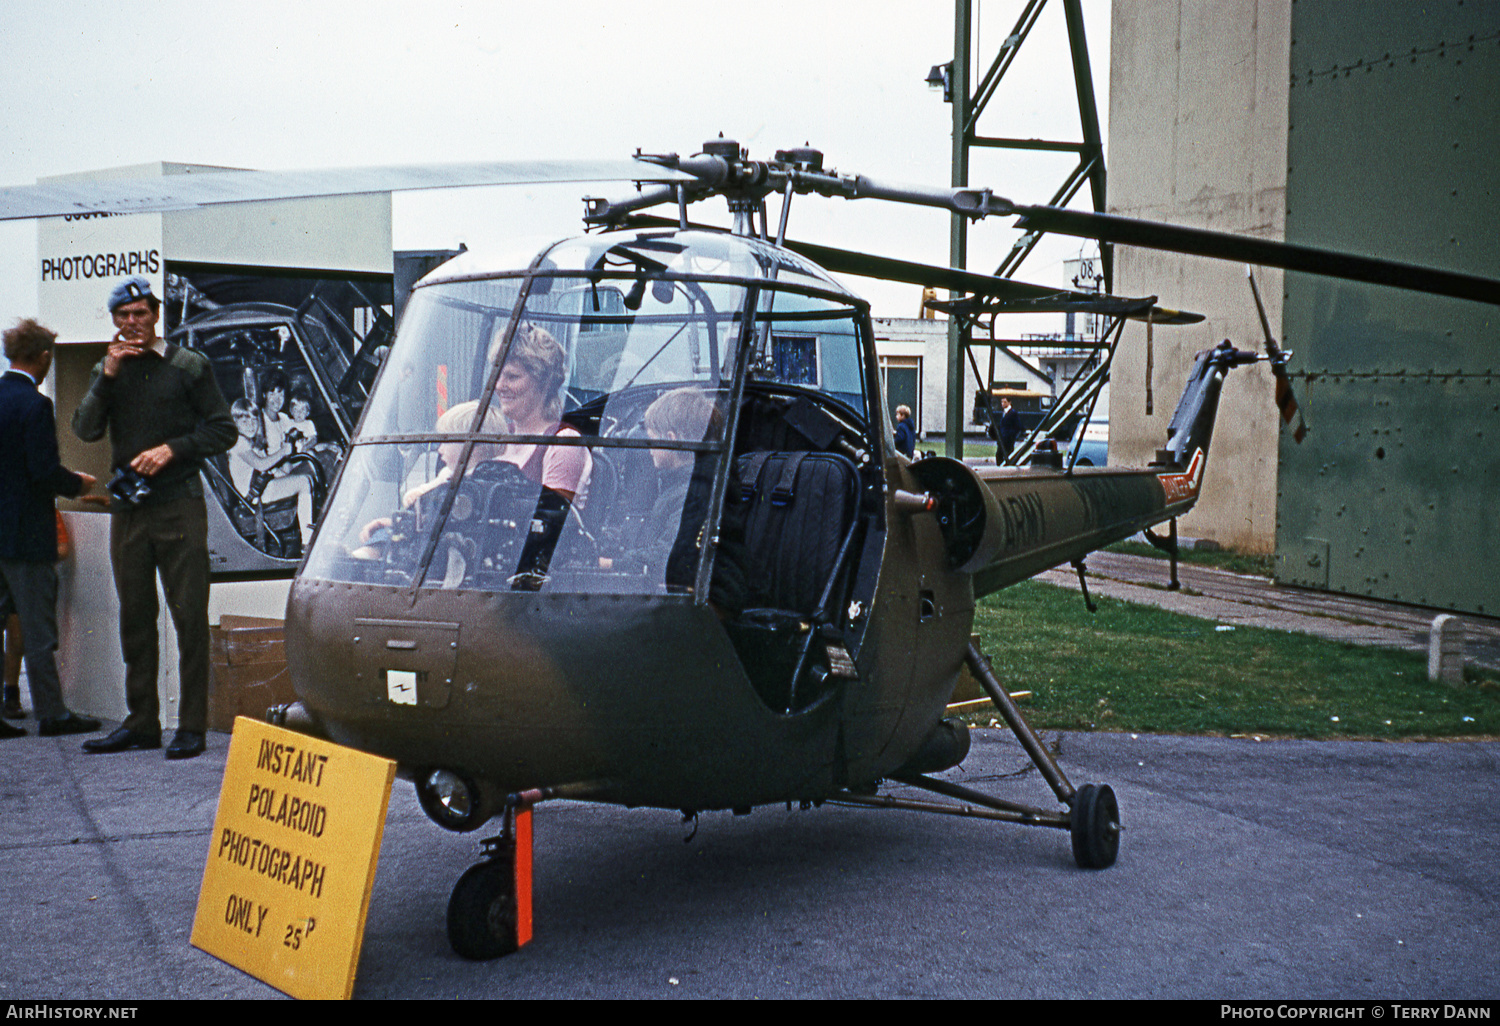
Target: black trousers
[{"x": 169, "y": 540}]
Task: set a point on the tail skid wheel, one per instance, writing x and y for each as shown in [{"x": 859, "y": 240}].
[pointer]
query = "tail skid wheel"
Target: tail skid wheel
[
  {"x": 1095, "y": 826},
  {"x": 482, "y": 911}
]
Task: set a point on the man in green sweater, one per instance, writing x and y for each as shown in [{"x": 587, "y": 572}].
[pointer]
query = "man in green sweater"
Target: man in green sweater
[{"x": 164, "y": 414}]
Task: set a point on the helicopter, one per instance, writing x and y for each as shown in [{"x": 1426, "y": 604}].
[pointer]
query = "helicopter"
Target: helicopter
[{"x": 622, "y": 521}]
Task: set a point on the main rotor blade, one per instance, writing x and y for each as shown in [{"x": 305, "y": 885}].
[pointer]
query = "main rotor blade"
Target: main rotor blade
[
  {"x": 868, "y": 265},
  {"x": 1288, "y": 256},
  {"x": 209, "y": 186},
  {"x": 1021, "y": 296},
  {"x": 1025, "y": 297}
]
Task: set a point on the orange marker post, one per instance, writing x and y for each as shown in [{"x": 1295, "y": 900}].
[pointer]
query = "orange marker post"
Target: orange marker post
[{"x": 523, "y": 875}]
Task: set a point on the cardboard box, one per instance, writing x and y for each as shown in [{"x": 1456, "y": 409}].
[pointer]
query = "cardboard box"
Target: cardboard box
[{"x": 248, "y": 671}]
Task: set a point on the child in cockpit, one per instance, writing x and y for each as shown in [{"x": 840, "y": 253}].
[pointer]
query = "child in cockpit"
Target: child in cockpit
[
  {"x": 372, "y": 536},
  {"x": 666, "y": 545}
]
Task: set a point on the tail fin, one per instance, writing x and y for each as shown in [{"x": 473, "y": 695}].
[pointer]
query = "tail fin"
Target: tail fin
[{"x": 1193, "y": 424}]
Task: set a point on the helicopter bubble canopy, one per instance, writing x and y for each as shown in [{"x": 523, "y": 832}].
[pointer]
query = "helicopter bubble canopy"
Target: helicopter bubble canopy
[{"x": 564, "y": 426}]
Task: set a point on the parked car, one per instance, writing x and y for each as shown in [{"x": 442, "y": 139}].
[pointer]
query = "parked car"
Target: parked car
[{"x": 1092, "y": 442}]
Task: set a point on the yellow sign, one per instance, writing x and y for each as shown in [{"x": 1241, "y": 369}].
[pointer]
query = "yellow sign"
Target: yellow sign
[{"x": 292, "y": 859}]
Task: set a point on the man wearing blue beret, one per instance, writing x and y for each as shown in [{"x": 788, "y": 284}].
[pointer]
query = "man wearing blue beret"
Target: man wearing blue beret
[{"x": 165, "y": 415}]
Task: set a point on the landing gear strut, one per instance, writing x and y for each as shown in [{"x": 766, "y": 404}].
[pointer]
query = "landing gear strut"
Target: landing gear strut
[
  {"x": 1092, "y": 816},
  {"x": 489, "y": 912}
]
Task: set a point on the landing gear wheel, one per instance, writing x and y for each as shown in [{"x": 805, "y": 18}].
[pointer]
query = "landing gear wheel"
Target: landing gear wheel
[
  {"x": 482, "y": 910},
  {"x": 1096, "y": 827}
]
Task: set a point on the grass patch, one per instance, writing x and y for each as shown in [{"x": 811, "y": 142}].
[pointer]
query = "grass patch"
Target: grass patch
[
  {"x": 1224, "y": 559},
  {"x": 973, "y": 447},
  {"x": 1139, "y": 668}
]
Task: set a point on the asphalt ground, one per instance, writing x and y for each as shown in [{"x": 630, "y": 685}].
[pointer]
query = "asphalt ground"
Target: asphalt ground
[{"x": 1271, "y": 870}]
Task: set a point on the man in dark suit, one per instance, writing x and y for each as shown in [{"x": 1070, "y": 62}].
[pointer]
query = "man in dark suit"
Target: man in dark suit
[
  {"x": 30, "y": 476},
  {"x": 1010, "y": 429}
]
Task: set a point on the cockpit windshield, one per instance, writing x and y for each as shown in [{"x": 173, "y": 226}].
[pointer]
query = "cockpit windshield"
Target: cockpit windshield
[{"x": 567, "y": 428}]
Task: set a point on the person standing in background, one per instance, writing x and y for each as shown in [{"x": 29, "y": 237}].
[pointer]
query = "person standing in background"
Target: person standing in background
[
  {"x": 906, "y": 435},
  {"x": 1010, "y": 429},
  {"x": 31, "y": 476}
]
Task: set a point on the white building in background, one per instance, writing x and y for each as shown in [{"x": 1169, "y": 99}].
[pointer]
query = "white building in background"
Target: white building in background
[{"x": 913, "y": 355}]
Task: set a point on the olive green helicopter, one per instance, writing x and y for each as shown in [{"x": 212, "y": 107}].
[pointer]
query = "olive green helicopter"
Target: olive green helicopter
[{"x": 623, "y": 520}]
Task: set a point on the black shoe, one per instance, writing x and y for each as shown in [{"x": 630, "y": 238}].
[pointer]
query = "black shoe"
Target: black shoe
[
  {"x": 13, "y": 710},
  {"x": 7, "y": 731},
  {"x": 69, "y": 724},
  {"x": 123, "y": 738},
  {"x": 186, "y": 744}
]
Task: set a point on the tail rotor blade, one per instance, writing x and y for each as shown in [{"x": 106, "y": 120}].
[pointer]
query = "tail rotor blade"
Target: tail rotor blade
[{"x": 1286, "y": 402}]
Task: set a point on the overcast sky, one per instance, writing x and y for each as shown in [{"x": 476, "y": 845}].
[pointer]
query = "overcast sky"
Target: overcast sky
[{"x": 309, "y": 84}]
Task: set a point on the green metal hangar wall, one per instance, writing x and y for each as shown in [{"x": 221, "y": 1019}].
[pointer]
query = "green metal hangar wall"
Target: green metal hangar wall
[{"x": 1366, "y": 127}]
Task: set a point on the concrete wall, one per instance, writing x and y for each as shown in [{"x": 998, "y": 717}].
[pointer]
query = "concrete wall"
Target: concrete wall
[{"x": 1198, "y": 128}]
